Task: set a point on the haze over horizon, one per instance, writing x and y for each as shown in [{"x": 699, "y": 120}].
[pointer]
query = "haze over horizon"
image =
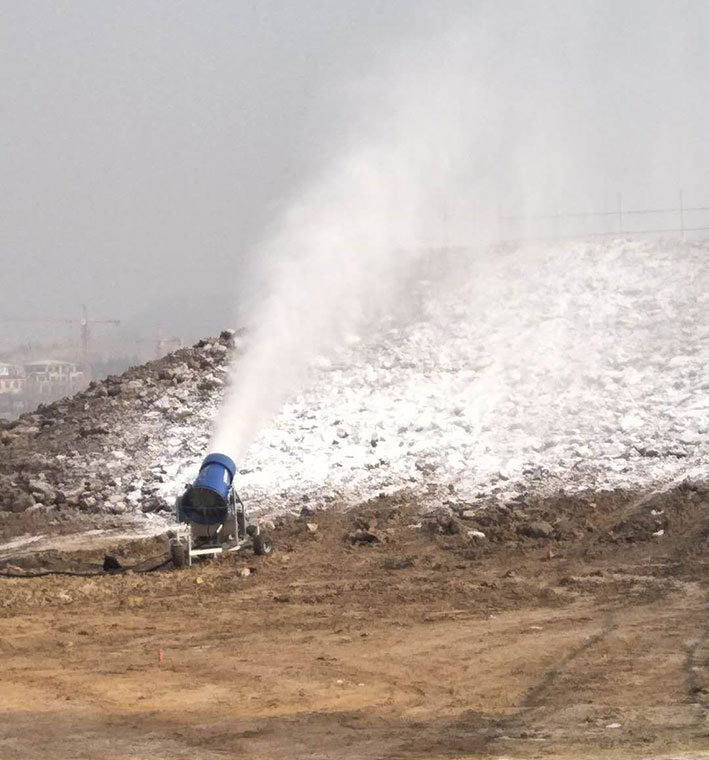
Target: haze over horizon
[{"x": 148, "y": 148}]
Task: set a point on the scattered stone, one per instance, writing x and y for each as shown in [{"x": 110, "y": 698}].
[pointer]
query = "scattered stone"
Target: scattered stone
[
  {"x": 362, "y": 536},
  {"x": 448, "y": 525},
  {"x": 155, "y": 503},
  {"x": 111, "y": 564},
  {"x": 537, "y": 529},
  {"x": 95, "y": 430},
  {"x": 42, "y": 490},
  {"x": 21, "y": 502},
  {"x": 88, "y": 502}
]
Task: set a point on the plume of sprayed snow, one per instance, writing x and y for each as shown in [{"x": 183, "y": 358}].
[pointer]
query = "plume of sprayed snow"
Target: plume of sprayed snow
[
  {"x": 455, "y": 126},
  {"x": 335, "y": 261},
  {"x": 343, "y": 248}
]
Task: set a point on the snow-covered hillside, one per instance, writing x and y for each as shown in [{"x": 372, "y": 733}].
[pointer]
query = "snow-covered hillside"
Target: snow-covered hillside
[
  {"x": 535, "y": 370},
  {"x": 539, "y": 369}
]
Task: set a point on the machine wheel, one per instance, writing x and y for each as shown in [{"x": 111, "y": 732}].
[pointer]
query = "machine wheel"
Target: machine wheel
[
  {"x": 262, "y": 545},
  {"x": 178, "y": 555}
]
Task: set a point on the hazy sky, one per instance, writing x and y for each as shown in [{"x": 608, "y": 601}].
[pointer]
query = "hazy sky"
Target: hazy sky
[{"x": 146, "y": 147}]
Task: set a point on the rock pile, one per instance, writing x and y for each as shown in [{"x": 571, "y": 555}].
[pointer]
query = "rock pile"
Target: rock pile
[
  {"x": 526, "y": 371},
  {"x": 107, "y": 449},
  {"x": 519, "y": 372}
]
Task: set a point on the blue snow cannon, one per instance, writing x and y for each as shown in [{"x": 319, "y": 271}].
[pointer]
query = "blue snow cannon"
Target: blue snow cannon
[
  {"x": 215, "y": 517},
  {"x": 208, "y": 499}
]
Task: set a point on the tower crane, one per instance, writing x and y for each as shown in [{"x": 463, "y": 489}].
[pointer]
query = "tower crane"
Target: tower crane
[
  {"x": 84, "y": 330},
  {"x": 161, "y": 342}
]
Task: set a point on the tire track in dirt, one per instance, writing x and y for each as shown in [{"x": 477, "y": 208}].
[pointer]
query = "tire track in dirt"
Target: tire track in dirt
[
  {"x": 485, "y": 733},
  {"x": 696, "y": 666},
  {"x": 535, "y": 697}
]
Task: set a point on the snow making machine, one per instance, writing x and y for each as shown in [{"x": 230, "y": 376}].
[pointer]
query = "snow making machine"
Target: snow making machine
[{"x": 211, "y": 518}]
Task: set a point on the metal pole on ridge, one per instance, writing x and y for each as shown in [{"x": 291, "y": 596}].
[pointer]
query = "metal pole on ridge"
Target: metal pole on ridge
[
  {"x": 681, "y": 212},
  {"x": 556, "y": 221},
  {"x": 620, "y": 213}
]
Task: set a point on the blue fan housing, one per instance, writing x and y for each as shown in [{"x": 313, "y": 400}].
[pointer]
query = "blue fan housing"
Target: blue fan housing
[{"x": 206, "y": 502}]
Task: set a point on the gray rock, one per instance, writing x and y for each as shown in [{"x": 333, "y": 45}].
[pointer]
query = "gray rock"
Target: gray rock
[
  {"x": 88, "y": 502},
  {"x": 155, "y": 504},
  {"x": 43, "y": 491},
  {"x": 537, "y": 529},
  {"x": 73, "y": 497},
  {"x": 427, "y": 468},
  {"x": 448, "y": 525},
  {"x": 362, "y": 536},
  {"x": 21, "y": 502}
]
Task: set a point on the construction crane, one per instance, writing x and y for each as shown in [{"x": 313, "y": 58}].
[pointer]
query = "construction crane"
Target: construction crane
[
  {"x": 161, "y": 343},
  {"x": 85, "y": 325},
  {"x": 84, "y": 330}
]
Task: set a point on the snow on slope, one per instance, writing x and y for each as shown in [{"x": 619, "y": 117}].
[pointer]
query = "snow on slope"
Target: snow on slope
[{"x": 547, "y": 368}]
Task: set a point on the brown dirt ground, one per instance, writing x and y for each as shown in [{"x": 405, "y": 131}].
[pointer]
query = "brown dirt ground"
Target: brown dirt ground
[{"x": 590, "y": 642}]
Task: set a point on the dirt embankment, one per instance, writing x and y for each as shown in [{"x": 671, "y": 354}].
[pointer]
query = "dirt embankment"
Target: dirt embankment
[
  {"x": 99, "y": 457},
  {"x": 576, "y": 628}
]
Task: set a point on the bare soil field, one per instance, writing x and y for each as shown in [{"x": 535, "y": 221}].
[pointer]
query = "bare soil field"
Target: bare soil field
[{"x": 574, "y": 628}]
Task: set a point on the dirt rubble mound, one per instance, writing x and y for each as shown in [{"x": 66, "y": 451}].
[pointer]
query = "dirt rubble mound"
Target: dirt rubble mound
[
  {"x": 587, "y": 374},
  {"x": 104, "y": 450},
  {"x": 515, "y": 372}
]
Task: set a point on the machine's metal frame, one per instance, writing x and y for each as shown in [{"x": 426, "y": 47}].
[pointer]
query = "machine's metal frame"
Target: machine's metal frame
[{"x": 232, "y": 535}]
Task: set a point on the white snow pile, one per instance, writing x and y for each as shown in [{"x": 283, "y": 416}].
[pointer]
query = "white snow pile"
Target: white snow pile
[{"x": 540, "y": 369}]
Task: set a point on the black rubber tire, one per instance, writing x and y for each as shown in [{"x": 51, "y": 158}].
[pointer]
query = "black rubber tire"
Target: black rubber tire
[
  {"x": 262, "y": 545},
  {"x": 178, "y": 555}
]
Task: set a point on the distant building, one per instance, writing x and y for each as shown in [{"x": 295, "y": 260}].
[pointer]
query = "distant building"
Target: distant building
[
  {"x": 12, "y": 378},
  {"x": 12, "y": 390},
  {"x": 49, "y": 379}
]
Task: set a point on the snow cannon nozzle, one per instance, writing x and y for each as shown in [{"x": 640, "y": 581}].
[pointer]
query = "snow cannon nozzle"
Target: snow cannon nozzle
[{"x": 206, "y": 501}]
